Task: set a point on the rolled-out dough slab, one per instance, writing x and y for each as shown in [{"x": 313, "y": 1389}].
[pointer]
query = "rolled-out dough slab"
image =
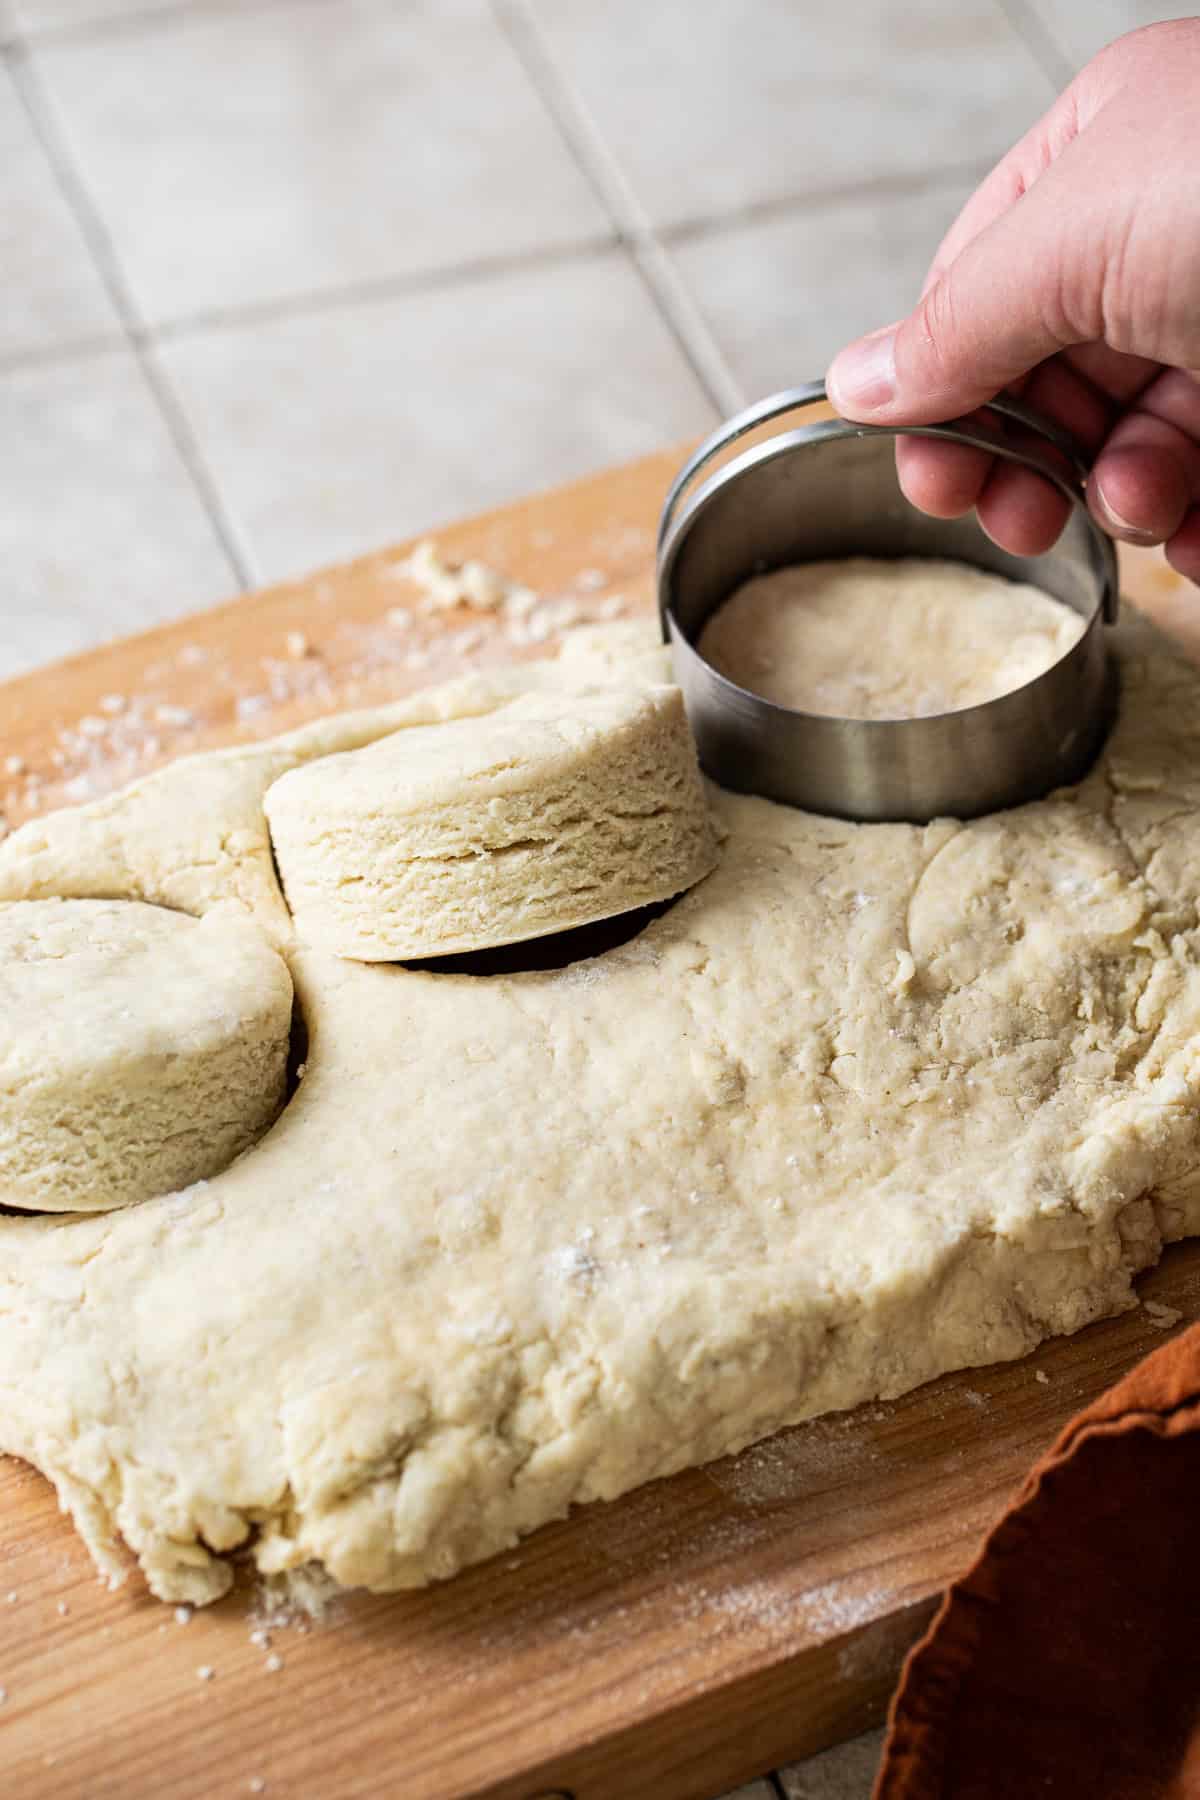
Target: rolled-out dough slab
[{"x": 871, "y": 1103}]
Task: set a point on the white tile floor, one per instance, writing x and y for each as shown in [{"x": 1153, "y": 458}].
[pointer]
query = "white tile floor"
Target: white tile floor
[
  {"x": 102, "y": 530},
  {"x": 711, "y": 109},
  {"x": 283, "y": 279},
  {"x": 778, "y": 292},
  {"x": 241, "y": 159},
  {"x": 566, "y": 364}
]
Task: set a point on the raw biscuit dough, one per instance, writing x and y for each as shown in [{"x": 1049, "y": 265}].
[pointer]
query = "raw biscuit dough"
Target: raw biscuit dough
[
  {"x": 865, "y": 638},
  {"x": 551, "y": 812},
  {"x": 141, "y": 1050},
  {"x": 870, "y": 1103}
]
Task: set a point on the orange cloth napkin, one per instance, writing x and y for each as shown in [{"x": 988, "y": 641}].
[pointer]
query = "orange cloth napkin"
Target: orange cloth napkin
[{"x": 1065, "y": 1664}]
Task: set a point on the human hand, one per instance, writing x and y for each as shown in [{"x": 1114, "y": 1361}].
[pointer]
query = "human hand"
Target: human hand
[{"x": 1070, "y": 278}]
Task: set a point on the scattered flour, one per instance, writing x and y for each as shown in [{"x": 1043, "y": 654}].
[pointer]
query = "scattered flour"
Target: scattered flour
[
  {"x": 1161, "y": 1317},
  {"x": 125, "y": 734}
]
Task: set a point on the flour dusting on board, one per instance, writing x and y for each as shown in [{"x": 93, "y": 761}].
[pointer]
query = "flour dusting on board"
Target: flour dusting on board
[
  {"x": 331, "y": 663},
  {"x": 798, "y": 1462}
]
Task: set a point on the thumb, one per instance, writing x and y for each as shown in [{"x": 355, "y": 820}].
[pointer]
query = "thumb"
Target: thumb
[{"x": 1005, "y": 304}]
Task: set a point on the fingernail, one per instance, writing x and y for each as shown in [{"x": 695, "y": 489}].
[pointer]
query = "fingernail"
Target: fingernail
[
  {"x": 1119, "y": 526},
  {"x": 862, "y": 377}
]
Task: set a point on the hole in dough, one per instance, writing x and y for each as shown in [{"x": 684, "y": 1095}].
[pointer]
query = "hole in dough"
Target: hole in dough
[
  {"x": 143, "y": 1050},
  {"x": 557, "y": 951},
  {"x": 297, "y": 1057},
  {"x": 550, "y": 813}
]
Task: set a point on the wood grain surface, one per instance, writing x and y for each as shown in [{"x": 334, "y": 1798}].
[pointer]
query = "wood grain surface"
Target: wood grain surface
[{"x": 669, "y": 1644}]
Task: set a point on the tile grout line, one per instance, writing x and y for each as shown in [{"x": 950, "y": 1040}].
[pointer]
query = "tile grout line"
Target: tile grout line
[
  {"x": 70, "y": 350},
  {"x": 687, "y": 325},
  {"x": 138, "y": 339},
  {"x": 237, "y": 551},
  {"x": 584, "y": 140},
  {"x": 1039, "y": 40},
  {"x": 304, "y": 305},
  {"x": 379, "y": 290},
  {"x": 782, "y": 206}
]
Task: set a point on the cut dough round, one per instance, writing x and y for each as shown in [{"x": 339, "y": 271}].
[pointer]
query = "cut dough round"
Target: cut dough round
[
  {"x": 549, "y": 813},
  {"x": 865, "y": 638},
  {"x": 143, "y": 1050}
]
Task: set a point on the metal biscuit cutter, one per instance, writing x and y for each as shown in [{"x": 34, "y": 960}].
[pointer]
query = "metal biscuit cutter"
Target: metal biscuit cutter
[{"x": 829, "y": 489}]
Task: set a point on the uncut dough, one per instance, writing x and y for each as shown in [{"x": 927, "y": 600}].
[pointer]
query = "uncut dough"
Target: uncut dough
[
  {"x": 870, "y": 1103},
  {"x": 552, "y": 812},
  {"x": 865, "y": 638},
  {"x": 141, "y": 1050}
]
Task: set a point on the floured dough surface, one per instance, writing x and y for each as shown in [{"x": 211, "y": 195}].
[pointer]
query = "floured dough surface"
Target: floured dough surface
[
  {"x": 869, "y": 1103},
  {"x": 140, "y": 1050},
  {"x": 552, "y": 812},
  {"x": 866, "y": 638}
]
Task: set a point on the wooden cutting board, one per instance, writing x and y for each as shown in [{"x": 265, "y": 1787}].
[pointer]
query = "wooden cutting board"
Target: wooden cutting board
[{"x": 668, "y": 1645}]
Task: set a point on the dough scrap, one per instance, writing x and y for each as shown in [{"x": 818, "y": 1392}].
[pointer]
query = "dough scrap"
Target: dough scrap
[
  {"x": 554, "y": 811},
  {"x": 869, "y": 1103},
  {"x": 864, "y": 638},
  {"x": 141, "y": 1051}
]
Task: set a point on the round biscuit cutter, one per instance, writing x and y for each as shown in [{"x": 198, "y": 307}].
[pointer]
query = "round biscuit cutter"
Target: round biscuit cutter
[{"x": 829, "y": 489}]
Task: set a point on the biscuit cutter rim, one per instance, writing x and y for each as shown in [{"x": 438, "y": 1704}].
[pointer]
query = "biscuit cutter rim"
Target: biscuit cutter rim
[{"x": 894, "y": 768}]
